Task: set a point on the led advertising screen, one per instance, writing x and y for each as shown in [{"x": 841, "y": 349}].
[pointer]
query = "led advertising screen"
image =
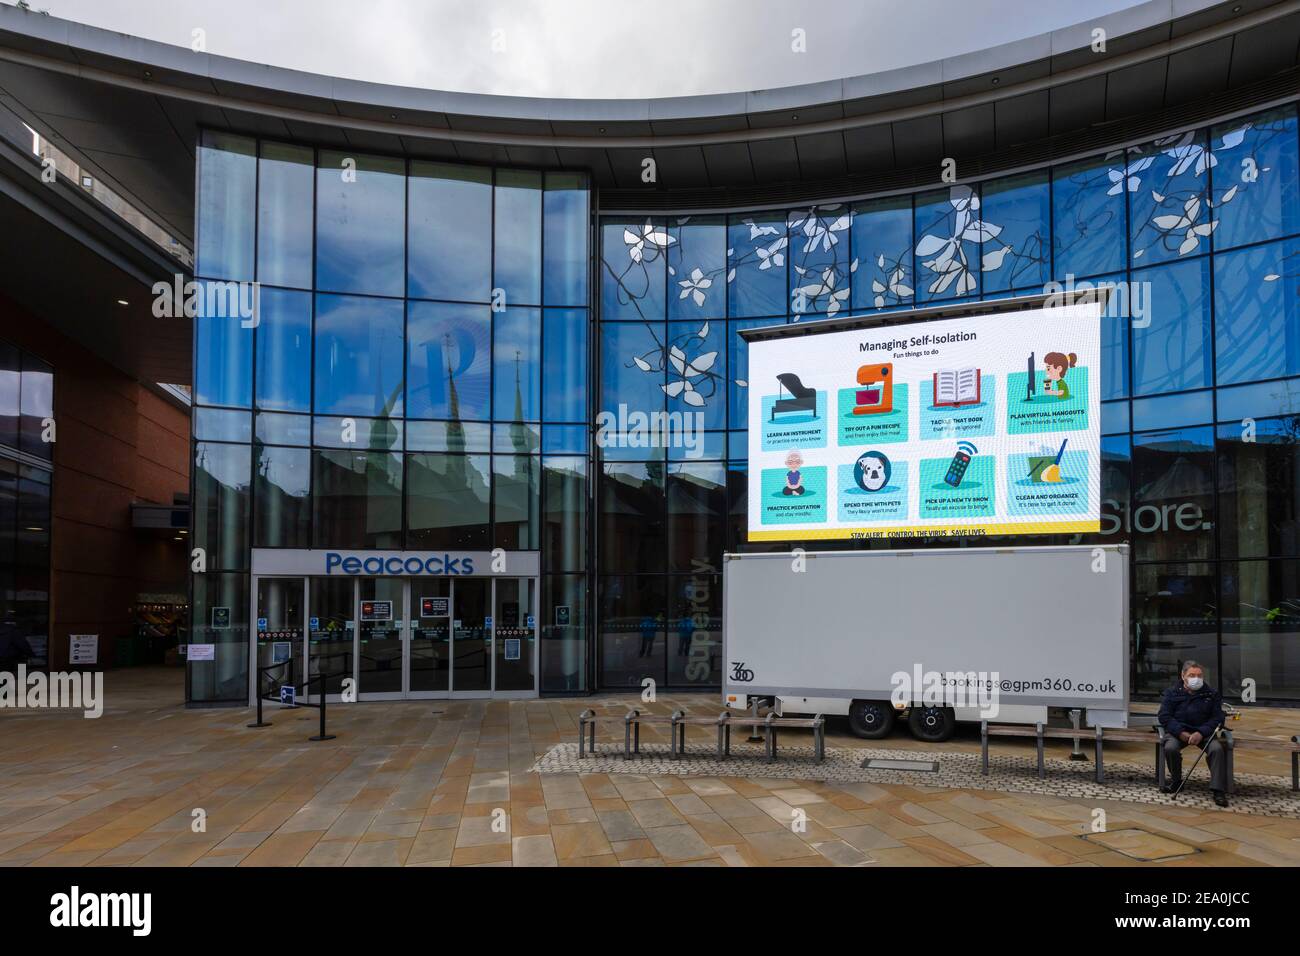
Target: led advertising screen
[{"x": 987, "y": 424}]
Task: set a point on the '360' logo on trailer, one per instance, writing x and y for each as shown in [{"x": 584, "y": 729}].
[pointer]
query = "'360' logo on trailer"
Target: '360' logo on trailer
[{"x": 740, "y": 673}]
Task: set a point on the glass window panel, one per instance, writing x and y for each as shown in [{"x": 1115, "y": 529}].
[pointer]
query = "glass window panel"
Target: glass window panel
[
  {"x": 948, "y": 236},
  {"x": 632, "y": 630},
  {"x": 450, "y": 255},
  {"x": 564, "y": 439},
  {"x": 448, "y": 436},
  {"x": 697, "y": 505},
  {"x": 1088, "y": 217},
  {"x": 276, "y": 429},
  {"x": 360, "y": 224},
  {"x": 1116, "y": 468},
  {"x": 11, "y": 370},
  {"x": 358, "y": 356},
  {"x": 564, "y": 241},
  {"x": 37, "y": 406},
  {"x": 633, "y": 269},
  {"x": 819, "y": 260},
  {"x": 697, "y": 378},
  {"x": 564, "y": 521},
  {"x": 515, "y": 501},
  {"x": 1173, "y": 411},
  {"x": 227, "y": 185},
  {"x": 694, "y": 630},
  {"x": 1114, "y": 418},
  {"x": 219, "y": 424},
  {"x": 447, "y": 501},
  {"x": 564, "y": 630},
  {"x": 448, "y": 358},
  {"x": 284, "y": 351},
  {"x": 688, "y": 443},
  {"x": 223, "y": 353},
  {"x": 1174, "y": 620},
  {"x": 1172, "y": 352},
  {"x": 882, "y": 245},
  {"x": 631, "y": 529},
  {"x": 564, "y": 377},
  {"x": 517, "y": 362},
  {"x": 1168, "y": 183},
  {"x": 517, "y": 438},
  {"x": 221, "y": 478},
  {"x": 757, "y": 251},
  {"x": 378, "y": 434},
  {"x": 517, "y": 263},
  {"x": 284, "y": 215},
  {"x": 1258, "y": 401},
  {"x": 1255, "y": 178},
  {"x": 1259, "y": 488},
  {"x": 1256, "y": 319},
  {"x": 1261, "y": 628},
  {"x": 356, "y": 499},
  {"x": 738, "y": 374},
  {"x": 281, "y": 498},
  {"x": 1115, "y": 323},
  {"x": 33, "y": 525},
  {"x": 1017, "y": 213},
  {"x": 1173, "y": 495},
  {"x": 697, "y": 267},
  {"x": 632, "y": 382},
  {"x": 225, "y": 678}
]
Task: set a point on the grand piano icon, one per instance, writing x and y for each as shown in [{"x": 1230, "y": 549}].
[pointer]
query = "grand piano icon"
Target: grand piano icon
[{"x": 803, "y": 398}]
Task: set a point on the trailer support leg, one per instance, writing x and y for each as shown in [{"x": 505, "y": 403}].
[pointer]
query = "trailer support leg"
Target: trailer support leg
[
  {"x": 1042, "y": 772},
  {"x": 984, "y": 747},
  {"x": 1101, "y": 770}
]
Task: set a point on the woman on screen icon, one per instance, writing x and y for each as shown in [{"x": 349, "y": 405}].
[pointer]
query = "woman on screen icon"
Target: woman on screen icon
[{"x": 1056, "y": 364}]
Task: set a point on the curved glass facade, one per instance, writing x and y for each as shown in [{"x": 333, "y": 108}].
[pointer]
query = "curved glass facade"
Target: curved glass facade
[
  {"x": 1200, "y": 423},
  {"x": 444, "y": 310},
  {"x": 415, "y": 377}
]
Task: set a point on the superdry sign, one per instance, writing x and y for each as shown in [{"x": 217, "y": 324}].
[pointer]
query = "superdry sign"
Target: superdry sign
[{"x": 349, "y": 563}]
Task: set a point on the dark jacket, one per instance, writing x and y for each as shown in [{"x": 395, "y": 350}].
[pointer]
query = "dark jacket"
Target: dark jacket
[{"x": 1180, "y": 710}]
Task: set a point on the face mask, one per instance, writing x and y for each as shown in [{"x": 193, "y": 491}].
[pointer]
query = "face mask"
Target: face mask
[{"x": 1194, "y": 683}]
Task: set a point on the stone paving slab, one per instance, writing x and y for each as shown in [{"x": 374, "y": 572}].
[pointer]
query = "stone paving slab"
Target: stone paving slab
[{"x": 1257, "y": 794}]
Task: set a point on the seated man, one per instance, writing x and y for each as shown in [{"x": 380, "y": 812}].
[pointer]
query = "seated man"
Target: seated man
[{"x": 1190, "y": 713}]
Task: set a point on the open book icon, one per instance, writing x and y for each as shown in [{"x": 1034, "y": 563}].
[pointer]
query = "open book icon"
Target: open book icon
[{"x": 957, "y": 386}]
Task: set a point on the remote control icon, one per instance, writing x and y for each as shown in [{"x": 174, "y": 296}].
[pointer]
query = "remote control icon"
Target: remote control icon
[{"x": 960, "y": 462}]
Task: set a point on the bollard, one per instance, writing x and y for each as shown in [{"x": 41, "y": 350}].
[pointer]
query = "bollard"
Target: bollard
[{"x": 322, "y": 735}]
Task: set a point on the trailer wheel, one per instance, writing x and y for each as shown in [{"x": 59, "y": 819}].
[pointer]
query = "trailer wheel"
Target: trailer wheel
[
  {"x": 931, "y": 723},
  {"x": 871, "y": 719}
]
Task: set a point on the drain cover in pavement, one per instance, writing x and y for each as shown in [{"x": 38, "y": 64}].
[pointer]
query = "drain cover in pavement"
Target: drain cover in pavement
[
  {"x": 921, "y": 766},
  {"x": 1140, "y": 845}
]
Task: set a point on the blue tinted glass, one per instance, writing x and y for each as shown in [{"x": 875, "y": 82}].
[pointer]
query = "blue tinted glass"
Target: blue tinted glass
[
  {"x": 1119, "y": 314},
  {"x": 380, "y": 434},
  {"x": 227, "y": 185},
  {"x": 697, "y": 267},
  {"x": 1259, "y": 400},
  {"x": 1114, "y": 418},
  {"x": 360, "y": 224},
  {"x": 1255, "y": 178},
  {"x": 882, "y": 245},
  {"x": 632, "y": 369},
  {"x": 518, "y": 234},
  {"x": 819, "y": 260},
  {"x": 1172, "y": 352},
  {"x": 1017, "y": 216},
  {"x": 697, "y": 371},
  {"x": 1257, "y": 328},
  {"x": 1167, "y": 184},
  {"x": 277, "y": 429},
  {"x": 564, "y": 241},
  {"x": 220, "y": 424},
  {"x": 517, "y": 365},
  {"x": 1088, "y": 217},
  {"x": 284, "y": 351},
  {"x": 284, "y": 199},
  {"x": 358, "y": 356},
  {"x": 632, "y": 269},
  {"x": 448, "y": 436},
  {"x": 223, "y": 351},
  {"x": 519, "y": 437},
  {"x": 449, "y": 351},
  {"x": 1172, "y": 411},
  {"x": 564, "y": 379},
  {"x": 948, "y": 236},
  {"x": 738, "y": 366},
  {"x": 687, "y": 443},
  {"x": 757, "y": 249},
  {"x": 450, "y": 229},
  {"x": 564, "y": 439}
]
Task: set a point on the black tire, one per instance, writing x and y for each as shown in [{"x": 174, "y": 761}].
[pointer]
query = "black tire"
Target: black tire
[
  {"x": 871, "y": 719},
  {"x": 931, "y": 723}
]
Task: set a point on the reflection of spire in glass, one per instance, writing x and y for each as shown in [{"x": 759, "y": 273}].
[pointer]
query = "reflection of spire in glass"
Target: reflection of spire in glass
[{"x": 455, "y": 430}]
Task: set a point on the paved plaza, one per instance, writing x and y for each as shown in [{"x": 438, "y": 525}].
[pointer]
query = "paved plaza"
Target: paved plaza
[{"x": 461, "y": 783}]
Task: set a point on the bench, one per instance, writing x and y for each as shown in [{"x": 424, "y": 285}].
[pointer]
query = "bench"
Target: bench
[
  {"x": 679, "y": 720},
  {"x": 1041, "y": 732},
  {"x": 1234, "y": 743}
]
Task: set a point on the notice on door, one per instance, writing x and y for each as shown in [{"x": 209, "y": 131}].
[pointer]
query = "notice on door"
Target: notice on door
[
  {"x": 83, "y": 648},
  {"x": 376, "y": 610},
  {"x": 435, "y": 606}
]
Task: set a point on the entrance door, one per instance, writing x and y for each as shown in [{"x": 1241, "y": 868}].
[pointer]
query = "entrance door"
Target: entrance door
[
  {"x": 331, "y": 634},
  {"x": 429, "y": 644},
  {"x": 381, "y": 631},
  {"x": 514, "y": 628},
  {"x": 279, "y": 633},
  {"x": 471, "y": 635}
]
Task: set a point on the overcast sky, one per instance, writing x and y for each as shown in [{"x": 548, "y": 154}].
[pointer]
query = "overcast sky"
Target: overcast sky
[{"x": 586, "y": 48}]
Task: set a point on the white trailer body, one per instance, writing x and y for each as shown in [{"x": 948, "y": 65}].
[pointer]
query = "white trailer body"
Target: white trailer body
[{"x": 1047, "y": 625}]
